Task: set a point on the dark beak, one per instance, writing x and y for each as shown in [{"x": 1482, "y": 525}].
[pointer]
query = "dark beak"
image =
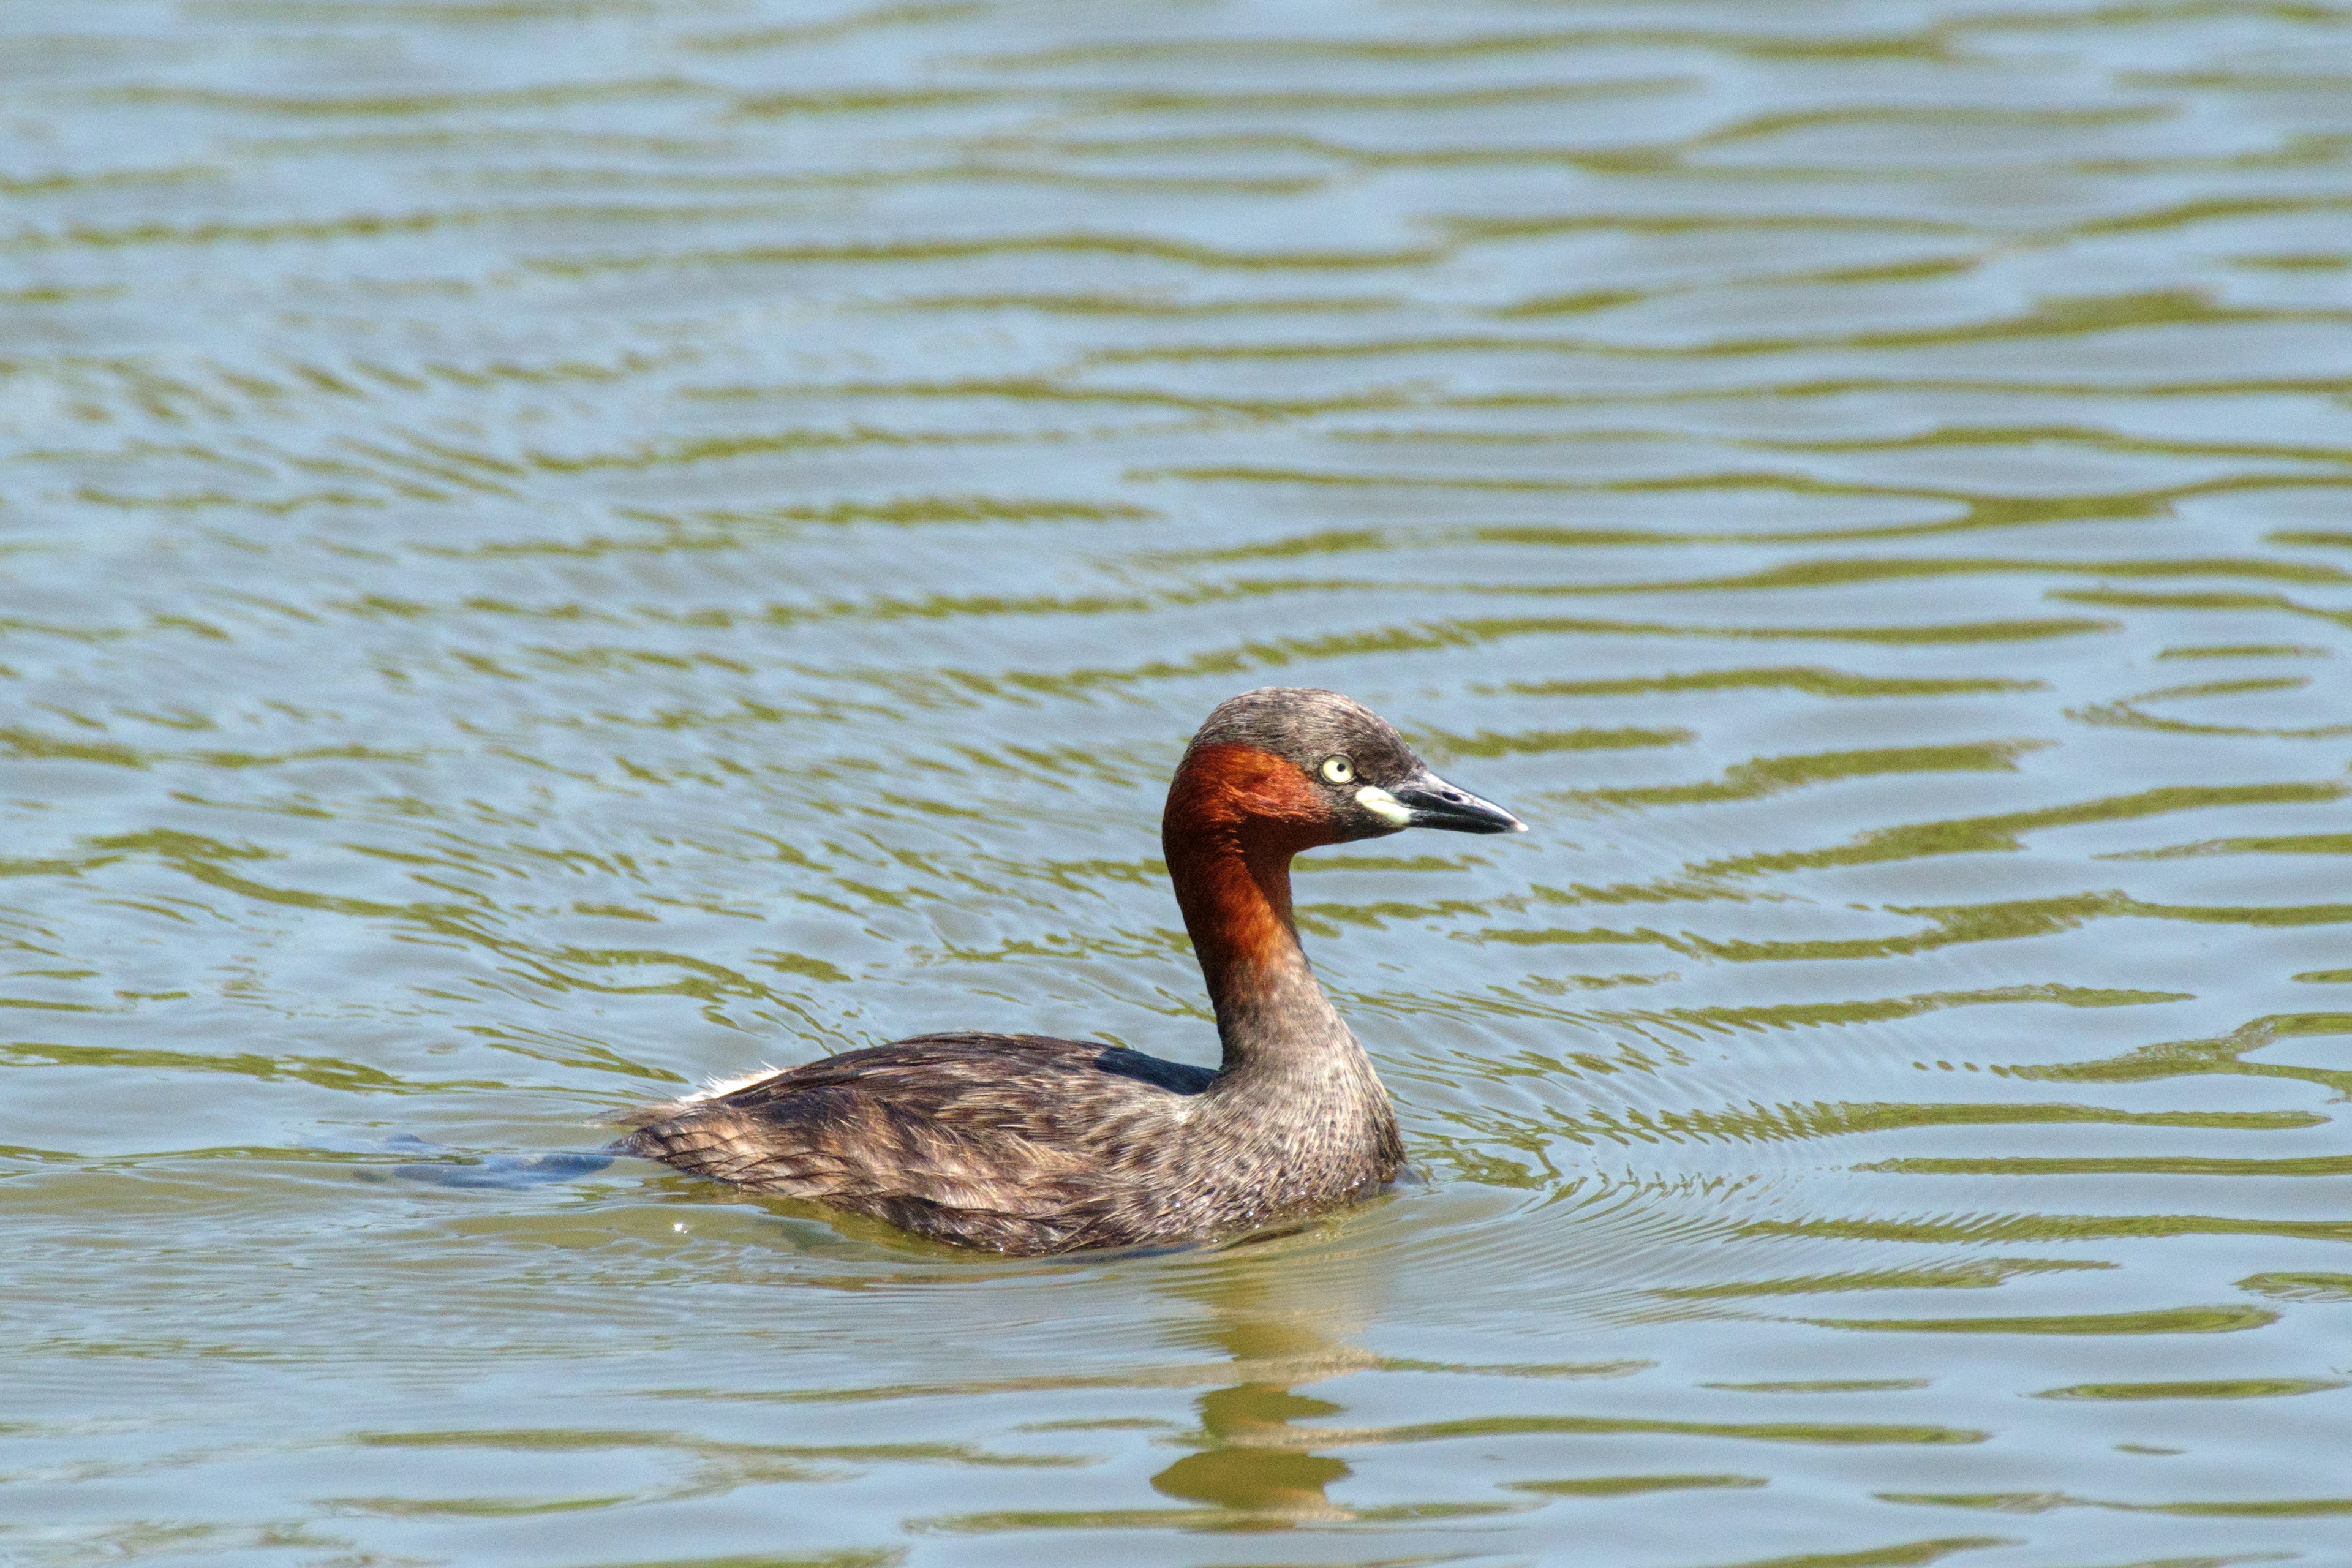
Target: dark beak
[{"x": 1436, "y": 804}]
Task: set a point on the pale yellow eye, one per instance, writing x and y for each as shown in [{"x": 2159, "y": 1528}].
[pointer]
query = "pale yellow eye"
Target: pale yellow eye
[{"x": 1339, "y": 770}]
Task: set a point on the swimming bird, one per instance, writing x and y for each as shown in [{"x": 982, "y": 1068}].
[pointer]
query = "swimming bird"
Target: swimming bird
[{"x": 1024, "y": 1145}]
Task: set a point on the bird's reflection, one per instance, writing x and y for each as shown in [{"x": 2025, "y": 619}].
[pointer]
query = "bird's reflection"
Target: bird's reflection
[{"x": 1283, "y": 1326}]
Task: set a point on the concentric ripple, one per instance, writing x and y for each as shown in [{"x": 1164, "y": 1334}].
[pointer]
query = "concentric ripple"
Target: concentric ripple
[{"x": 550, "y": 549}]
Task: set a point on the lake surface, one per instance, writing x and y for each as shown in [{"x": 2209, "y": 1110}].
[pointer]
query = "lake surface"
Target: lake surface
[{"x": 550, "y": 549}]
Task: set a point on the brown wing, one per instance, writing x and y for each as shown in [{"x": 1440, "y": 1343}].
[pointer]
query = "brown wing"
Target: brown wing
[{"x": 1012, "y": 1142}]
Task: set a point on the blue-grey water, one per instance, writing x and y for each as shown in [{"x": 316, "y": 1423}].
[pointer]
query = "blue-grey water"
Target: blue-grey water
[{"x": 550, "y": 549}]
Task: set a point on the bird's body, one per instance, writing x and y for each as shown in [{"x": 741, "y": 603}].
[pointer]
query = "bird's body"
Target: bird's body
[{"x": 1021, "y": 1144}]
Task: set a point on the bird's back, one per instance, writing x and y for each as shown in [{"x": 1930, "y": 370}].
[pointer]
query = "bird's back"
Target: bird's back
[{"x": 1014, "y": 1142}]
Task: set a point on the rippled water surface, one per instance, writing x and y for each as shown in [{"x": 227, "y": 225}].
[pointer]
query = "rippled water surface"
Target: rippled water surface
[{"x": 553, "y": 548}]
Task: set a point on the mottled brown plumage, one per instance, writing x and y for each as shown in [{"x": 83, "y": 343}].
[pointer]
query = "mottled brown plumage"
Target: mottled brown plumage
[{"x": 1019, "y": 1144}]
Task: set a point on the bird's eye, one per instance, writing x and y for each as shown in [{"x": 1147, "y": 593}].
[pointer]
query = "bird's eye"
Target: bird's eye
[{"x": 1339, "y": 770}]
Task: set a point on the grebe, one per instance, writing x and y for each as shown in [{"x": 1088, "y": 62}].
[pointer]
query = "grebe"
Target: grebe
[{"x": 1019, "y": 1144}]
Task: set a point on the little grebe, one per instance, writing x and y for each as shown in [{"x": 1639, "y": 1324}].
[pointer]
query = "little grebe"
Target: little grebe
[{"x": 1024, "y": 1145}]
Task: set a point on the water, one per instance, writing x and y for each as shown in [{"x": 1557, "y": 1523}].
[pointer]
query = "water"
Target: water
[{"x": 557, "y": 547}]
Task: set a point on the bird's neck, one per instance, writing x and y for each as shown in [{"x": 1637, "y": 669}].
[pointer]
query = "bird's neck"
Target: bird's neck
[
  {"x": 1229, "y": 849},
  {"x": 1270, "y": 1010}
]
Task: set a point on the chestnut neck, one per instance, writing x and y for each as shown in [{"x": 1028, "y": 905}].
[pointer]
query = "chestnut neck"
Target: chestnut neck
[{"x": 1235, "y": 817}]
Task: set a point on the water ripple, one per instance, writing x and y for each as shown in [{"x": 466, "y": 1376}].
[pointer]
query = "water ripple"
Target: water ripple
[{"x": 550, "y": 549}]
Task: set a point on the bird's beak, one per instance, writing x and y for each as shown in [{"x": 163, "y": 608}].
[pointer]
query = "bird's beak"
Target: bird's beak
[{"x": 1425, "y": 800}]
